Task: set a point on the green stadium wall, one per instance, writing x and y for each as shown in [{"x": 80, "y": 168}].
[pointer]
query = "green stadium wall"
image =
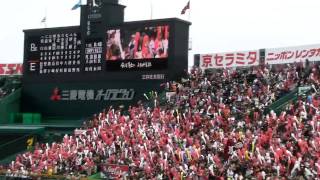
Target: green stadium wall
[{"x": 9, "y": 107}]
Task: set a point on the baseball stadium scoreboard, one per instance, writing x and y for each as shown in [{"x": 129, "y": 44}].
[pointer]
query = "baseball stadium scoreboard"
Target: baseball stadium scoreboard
[{"x": 76, "y": 71}]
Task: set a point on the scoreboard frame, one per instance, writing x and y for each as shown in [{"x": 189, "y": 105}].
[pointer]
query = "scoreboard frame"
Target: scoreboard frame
[{"x": 73, "y": 95}]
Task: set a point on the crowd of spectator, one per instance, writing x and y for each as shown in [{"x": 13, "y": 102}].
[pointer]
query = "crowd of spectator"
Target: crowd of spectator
[{"x": 213, "y": 125}]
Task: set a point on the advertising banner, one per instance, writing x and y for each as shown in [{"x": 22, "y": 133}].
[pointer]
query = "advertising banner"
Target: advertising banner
[
  {"x": 229, "y": 60},
  {"x": 293, "y": 54},
  {"x": 10, "y": 69},
  {"x": 117, "y": 171}
]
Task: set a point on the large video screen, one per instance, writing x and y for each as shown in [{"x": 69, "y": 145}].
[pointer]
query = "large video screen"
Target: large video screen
[{"x": 137, "y": 48}]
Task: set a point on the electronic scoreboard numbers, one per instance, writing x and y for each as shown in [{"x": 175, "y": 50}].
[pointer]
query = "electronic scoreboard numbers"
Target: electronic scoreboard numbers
[{"x": 53, "y": 53}]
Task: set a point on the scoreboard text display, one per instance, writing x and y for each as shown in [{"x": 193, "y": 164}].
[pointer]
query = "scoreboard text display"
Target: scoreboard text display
[
  {"x": 53, "y": 53},
  {"x": 68, "y": 75}
]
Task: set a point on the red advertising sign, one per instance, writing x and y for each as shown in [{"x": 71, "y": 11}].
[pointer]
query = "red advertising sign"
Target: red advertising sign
[
  {"x": 79, "y": 132},
  {"x": 10, "y": 69},
  {"x": 230, "y": 60},
  {"x": 293, "y": 54},
  {"x": 117, "y": 171}
]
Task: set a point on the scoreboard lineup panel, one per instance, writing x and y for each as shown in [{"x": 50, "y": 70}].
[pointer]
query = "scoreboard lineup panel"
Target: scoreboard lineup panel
[
  {"x": 50, "y": 52},
  {"x": 54, "y": 53},
  {"x": 93, "y": 55},
  {"x": 60, "y": 52}
]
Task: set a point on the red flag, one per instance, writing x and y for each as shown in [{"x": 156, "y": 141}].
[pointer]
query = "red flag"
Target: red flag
[{"x": 185, "y": 8}]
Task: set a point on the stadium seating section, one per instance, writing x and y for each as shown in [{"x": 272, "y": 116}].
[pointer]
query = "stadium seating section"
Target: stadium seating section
[
  {"x": 8, "y": 85},
  {"x": 220, "y": 124}
]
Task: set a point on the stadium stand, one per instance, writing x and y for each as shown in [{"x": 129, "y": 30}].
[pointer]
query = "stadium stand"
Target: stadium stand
[
  {"x": 8, "y": 85},
  {"x": 10, "y": 93},
  {"x": 212, "y": 125}
]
